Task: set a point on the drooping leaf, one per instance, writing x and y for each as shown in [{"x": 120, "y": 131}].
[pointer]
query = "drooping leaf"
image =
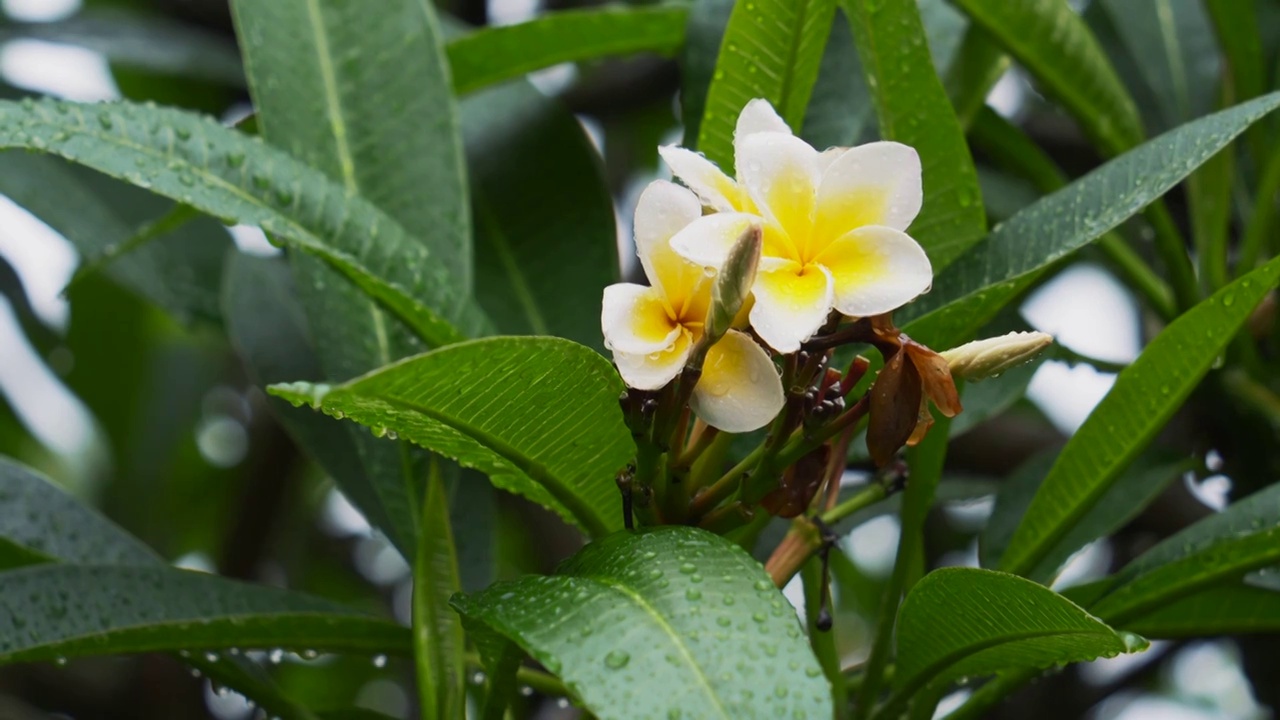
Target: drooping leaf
[
  {"x": 1226, "y": 610},
  {"x": 1223, "y": 546},
  {"x": 771, "y": 49},
  {"x": 1127, "y": 497},
  {"x": 545, "y": 233},
  {"x": 194, "y": 160},
  {"x": 178, "y": 271},
  {"x": 1144, "y": 397},
  {"x": 913, "y": 108},
  {"x": 494, "y": 54},
  {"x": 502, "y": 406},
  {"x": 966, "y": 621},
  {"x": 1055, "y": 45},
  {"x": 968, "y": 293},
  {"x": 57, "y": 611},
  {"x": 37, "y": 516},
  {"x": 667, "y": 621},
  {"x": 140, "y": 41},
  {"x": 438, "y": 643}
]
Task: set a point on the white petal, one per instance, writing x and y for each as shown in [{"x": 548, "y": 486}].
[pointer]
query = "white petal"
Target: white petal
[
  {"x": 876, "y": 269},
  {"x": 756, "y": 117},
  {"x": 873, "y": 184},
  {"x": 828, "y": 156},
  {"x": 635, "y": 319},
  {"x": 650, "y": 371},
  {"x": 716, "y": 189},
  {"x": 780, "y": 173},
  {"x": 663, "y": 210},
  {"x": 708, "y": 240},
  {"x": 739, "y": 390},
  {"x": 791, "y": 303}
]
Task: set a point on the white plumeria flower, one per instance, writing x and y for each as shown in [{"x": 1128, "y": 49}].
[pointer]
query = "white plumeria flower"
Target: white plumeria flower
[
  {"x": 833, "y": 224},
  {"x": 651, "y": 330}
]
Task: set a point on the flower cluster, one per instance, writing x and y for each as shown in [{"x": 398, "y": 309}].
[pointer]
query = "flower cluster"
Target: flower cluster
[
  {"x": 754, "y": 280},
  {"x": 832, "y": 225}
]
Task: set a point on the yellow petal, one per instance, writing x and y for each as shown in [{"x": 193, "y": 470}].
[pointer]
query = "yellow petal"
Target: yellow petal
[
  {"x": 650, "y": 371},
  {"x": 873, "y": 184},
  {"x": 634, "y": 319},
  {"x": 876, "y": 269},
  {"x": 739, "y": 390},
  {"x": 780, "y": 174},
  {"x": 791, "y": 302},
  {"x": 663, "y": 210}
]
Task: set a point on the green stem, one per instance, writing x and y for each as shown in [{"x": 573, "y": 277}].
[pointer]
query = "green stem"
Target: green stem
[
  {"x": 822, "y": 641},
  {"x": 925, "y": 461},
  {"x": 542, "y": 682},
  {"x": 1172, "y": 250},
  {"x": 1259, "y": 228}
]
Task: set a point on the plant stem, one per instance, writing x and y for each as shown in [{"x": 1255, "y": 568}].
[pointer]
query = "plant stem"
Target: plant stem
[
  {"x": 803, "y": 540},
  {"x": 542, "y": 682},
  {"x": 1258, "y": 230},
  {"x": 822, "y": 641}
]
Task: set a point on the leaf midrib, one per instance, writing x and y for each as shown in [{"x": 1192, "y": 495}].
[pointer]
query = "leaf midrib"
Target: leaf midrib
[
  {"x": 670, "y": 632},
  {"x": 534, "y": 469}
]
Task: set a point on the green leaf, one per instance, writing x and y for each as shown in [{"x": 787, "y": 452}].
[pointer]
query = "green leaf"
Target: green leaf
[
  {"x": 1244, "y": 537},
  {"x": 178, "y": 272},
  {"x": 966, "y": 622},
  {"x": 39, "y": 517},
  {"x": 494, "y": 54},
  {"x": 967, "y": 294},
  {"x": 385, "y": 127},
  {"x": 979, "y": 64},
  {"x": 1173, "y": 47},
  {"x": 59, "y": 611},
  {"x": 1228, "y": 610},
  {"x": 840, "y": 111},
  {"x": 438, "y": 643},
  {"x": 1131, "y": 493},
  {"x": 670, "y": 621},
  {"x": 141, "y": 41},
  {"x": 913, "y": 109},
  {"x": 771, "y": 49},
  {"x": 194, "y": 160},
  {"x": 1144, "y": 397},
  {"x": 1055, "y": 45},
  {"x": 704, "y": 33},
  {"x": 563, "y": 454},
  {"x": 545, "y": 231},
  {"x": 1236, "y": 23}
]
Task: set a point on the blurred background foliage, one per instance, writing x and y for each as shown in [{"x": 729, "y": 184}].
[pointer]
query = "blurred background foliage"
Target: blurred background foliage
[{"x": 129, "y": 392}]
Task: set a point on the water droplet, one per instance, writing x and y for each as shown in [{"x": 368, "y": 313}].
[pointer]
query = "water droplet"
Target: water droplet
[
  {"x": 379, "y": 661},
  {"x": 728, "y": 600},
  {"x": 477, "y": 678},
  {"x": 211, "y": 657},
  {"x": 526, "y": 691},
  {"x": 1228, "y": 300},
  {"x": 688, "y": 568},
  {"x": 724, "y": 621},
  {"x": 617, "y": 659},
  {"x": 235, "y": 159},
  {"x": 693, "y": 594},
  {"x": 275, "y": 656},
  {"x": 104, "y": 119},
  {"x": 262, "y": 182}
]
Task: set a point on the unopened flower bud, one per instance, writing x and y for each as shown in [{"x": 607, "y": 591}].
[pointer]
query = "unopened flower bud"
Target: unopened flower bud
[
  {"x": 733, "y": 283},
  {"x": 989, "y": 357}
]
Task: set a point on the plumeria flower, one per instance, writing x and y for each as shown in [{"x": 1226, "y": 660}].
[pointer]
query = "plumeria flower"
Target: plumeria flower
[
  {"x": 833, "y": 224},
  {"x": 652, "y": 330}
]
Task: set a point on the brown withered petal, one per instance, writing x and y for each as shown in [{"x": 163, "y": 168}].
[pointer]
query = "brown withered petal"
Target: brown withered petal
[
  {"x": 895, "y": 408},
  {"x": 799, "y": 485},
  {"x": 935, "y": 374}
]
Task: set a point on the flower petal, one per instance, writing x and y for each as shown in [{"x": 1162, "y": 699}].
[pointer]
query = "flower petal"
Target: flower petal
[
  {"x": 739, "y": 390},
  {"x": 716, "y": 189},
  {"x": 756, "y": 117},
  {"x": 650, "y": 371},
  {"x": 791, "y": 303},
  {"x": 708, "y": 240},
  {"x": 635, "y": 319},
  {"x": 876, "y": 269},
  {"x": 780, "y": 173},
  {"x": 663, "y": 210},
  {"x": 873, "y": 184}
]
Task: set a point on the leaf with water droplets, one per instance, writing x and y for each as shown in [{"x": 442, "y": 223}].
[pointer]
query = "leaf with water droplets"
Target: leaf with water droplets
[
  {"x": 1131, "y": 414},
  {"x": 717, "y": 641},
  {"x": 559, "y": 439},
  {"x": 913, "y": 109},
  {"x": 771, "y": 49},
  {"x": 60, "y": 611},
  {"x": 968, "y": 293},
  {"x": 1219, "y": 548},
  {"x": 970, "y": 622}
]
